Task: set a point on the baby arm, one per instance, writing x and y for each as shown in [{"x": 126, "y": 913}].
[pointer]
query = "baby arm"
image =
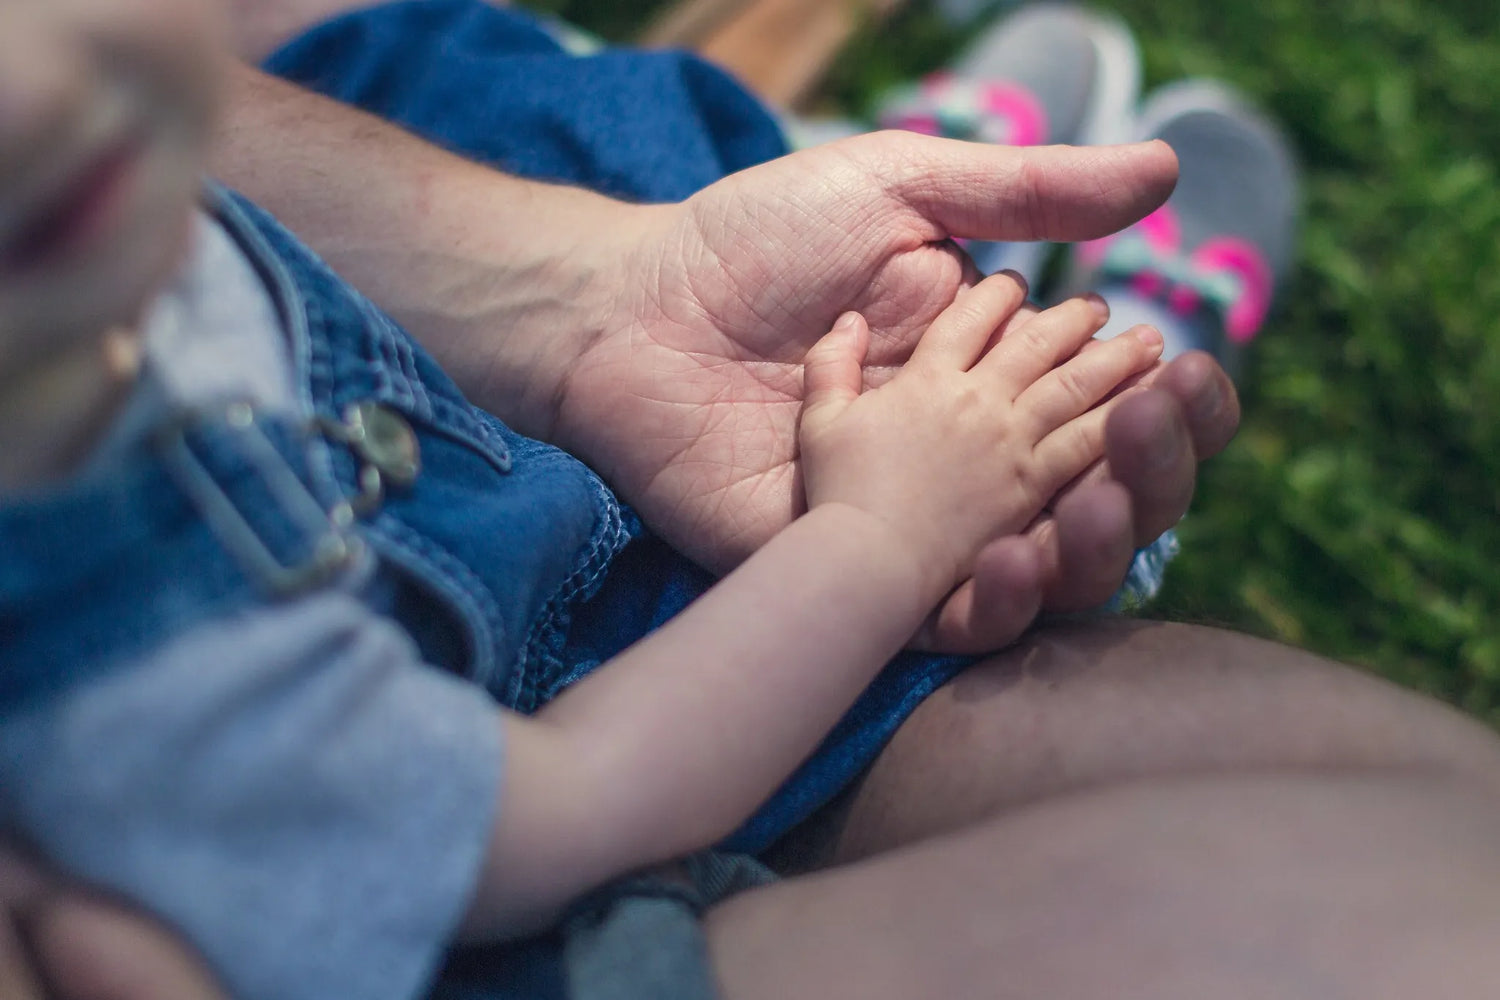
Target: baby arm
[{"x": 681, "y": 736}]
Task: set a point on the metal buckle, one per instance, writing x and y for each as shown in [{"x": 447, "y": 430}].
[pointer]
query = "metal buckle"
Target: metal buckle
[{"x": 335, "y": 549}]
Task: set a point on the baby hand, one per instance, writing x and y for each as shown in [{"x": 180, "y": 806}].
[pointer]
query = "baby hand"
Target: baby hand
[{"x": 970, "y": 440}]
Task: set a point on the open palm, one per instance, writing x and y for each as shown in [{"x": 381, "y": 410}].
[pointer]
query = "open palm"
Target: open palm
[{"x": 689, "y": 403}]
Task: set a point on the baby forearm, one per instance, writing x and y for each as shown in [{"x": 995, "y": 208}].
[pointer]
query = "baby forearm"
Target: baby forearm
[
  {"x": 714, "y": 710},
  {"x": 673, "y": 743}
]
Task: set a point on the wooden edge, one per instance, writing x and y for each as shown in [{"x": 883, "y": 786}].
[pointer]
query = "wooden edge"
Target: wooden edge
[
  {"x": 781, "y": 49},
  {"x": 690, "y": 23}
]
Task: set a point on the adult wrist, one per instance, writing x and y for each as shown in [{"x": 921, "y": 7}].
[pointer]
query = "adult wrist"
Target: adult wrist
[
  {"x": 542, "y": 291},
  {"x": 506, "y": 281}
]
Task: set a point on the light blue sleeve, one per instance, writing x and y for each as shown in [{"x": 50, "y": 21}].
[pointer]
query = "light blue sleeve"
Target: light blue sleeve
[{"x": 292, "y": 789}]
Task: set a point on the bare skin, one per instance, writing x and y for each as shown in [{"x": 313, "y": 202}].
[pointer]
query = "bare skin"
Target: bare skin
[
  {"x": 1114, "y": 810},
  {"x": 1072, "y": 708},
  {"x": 1195, "y": 814},
  {"x": 1316, "y": 884},
  {"x": 663, "y": 344},
  {"x": 61, "y": 942},
  {"x": 1305, "y": 884}
]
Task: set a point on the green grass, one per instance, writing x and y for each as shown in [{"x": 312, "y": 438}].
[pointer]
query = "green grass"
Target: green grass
[{"x": 1358, "y": 512}]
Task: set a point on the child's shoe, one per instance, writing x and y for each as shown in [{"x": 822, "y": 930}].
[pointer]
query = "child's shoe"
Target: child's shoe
[
  {"x": 1202, "y": 268},
  {"x": 1049, "y": 73}
]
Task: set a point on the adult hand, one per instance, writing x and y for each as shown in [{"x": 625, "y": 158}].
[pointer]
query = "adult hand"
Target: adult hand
[
  {"x": 59, "y": 942},
  {"x": 664, "y": 343},
  {"x": 688, "y": 401},
  {"x": 1075, "y": 556}
]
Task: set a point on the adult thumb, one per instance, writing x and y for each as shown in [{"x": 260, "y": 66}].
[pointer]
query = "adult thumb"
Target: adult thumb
[{"x": 1060, "y": 193}]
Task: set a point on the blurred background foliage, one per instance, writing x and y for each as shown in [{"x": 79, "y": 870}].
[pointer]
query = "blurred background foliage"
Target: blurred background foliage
[{"x": 1358, "y": 512}]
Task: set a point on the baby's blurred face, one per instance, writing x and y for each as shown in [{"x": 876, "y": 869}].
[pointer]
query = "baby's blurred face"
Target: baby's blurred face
[{"x": 105, "y": 112}]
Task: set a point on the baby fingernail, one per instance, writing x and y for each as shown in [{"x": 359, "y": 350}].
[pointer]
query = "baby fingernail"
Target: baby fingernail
[
  {"x": 1019, "y": 279},
  {"x": 1150, "y": 336},
  {"x": 846, "y": 322},
  {"x": 1101, "y": 308}
]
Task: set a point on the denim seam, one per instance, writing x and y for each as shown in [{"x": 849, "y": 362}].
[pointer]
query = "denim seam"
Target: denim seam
[
  {"x": 302, "y": 317},
  {"x": 459, "y": 423},
  {"x": 398, "y": 375},
  {"x": 440, "y": 569},
  {"x": 452, "y": 418},
  {"x": 548, "y": 633}
]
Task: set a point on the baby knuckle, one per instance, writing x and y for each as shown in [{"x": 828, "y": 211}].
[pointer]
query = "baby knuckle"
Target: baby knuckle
[
  {"x": 1076, "y": 387},
  {"x": 1037, "y": 339}
]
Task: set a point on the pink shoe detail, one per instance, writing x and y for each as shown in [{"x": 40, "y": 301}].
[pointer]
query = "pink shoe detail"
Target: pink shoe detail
[
  {"x": 1161, "y": 231},
  {"x": 958, "y": 108},
  {"x": 1184, "y": 300},
  {"x": 1245, "y": 262},
  {"x": 1149, "y": 283},
  {"x": 1226, "y": 273},
  {"x": 1020, "y": 108}
]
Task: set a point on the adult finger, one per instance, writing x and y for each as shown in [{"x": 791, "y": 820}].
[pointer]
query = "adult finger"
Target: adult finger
[
  {"x": 990, "y": 192},
  {"x": 1150, "y": 453},
  {"x": 992, "y": 609},
  {"x": 1091, "y": 538},
  {"x": 1209, "y": 404},
  {"x": 1206, "y": 394}
]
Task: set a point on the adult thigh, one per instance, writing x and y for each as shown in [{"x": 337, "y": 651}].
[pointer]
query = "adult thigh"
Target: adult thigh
[
  {"x": 1089, "y": 704},
  {"x": 1298, "y": 885}
]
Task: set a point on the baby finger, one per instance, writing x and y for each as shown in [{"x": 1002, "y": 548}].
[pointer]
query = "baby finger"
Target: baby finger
[
  {"x": 958, "y": 337},
  {"x": 1073, "y": 448},
  {"x": 1032, "y": 349},
  {"x": 1079, "y": 383}
]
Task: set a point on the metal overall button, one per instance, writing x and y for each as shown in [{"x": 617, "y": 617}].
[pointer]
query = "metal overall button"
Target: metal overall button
[{"x": 386, "y": 446}]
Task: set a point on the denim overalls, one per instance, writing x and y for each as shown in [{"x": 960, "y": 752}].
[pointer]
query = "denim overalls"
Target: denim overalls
[
  {"x": 486, "y": 540},
  {"x": 508, "y": 562}
]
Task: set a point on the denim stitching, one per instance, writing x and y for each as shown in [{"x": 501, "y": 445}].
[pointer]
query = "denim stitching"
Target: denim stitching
[
  {"x": 396, "y": 376},
  {"x": 440, "y": 569},
  {"x": 461, "y": 424},
  {"x": 390, "y": 361},
  {"x": 548, "y": 633}
]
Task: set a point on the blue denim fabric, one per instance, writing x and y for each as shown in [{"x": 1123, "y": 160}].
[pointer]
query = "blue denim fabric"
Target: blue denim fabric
[
  {"x": 224, "y": 512},
  {"x": 491, "y": 84},
  {"x": 487, "y": 552}
]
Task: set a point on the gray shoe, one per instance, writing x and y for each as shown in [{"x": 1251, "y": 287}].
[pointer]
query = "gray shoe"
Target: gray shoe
[
  {"x": 1211, "y": 258},
  {"x": 1049, "y": 73}
]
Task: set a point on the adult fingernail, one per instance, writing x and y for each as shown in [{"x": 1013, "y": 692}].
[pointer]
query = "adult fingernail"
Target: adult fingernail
[
  {"x": 1207, "y": 403},
  {"x": 1165, "y": 447}
]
